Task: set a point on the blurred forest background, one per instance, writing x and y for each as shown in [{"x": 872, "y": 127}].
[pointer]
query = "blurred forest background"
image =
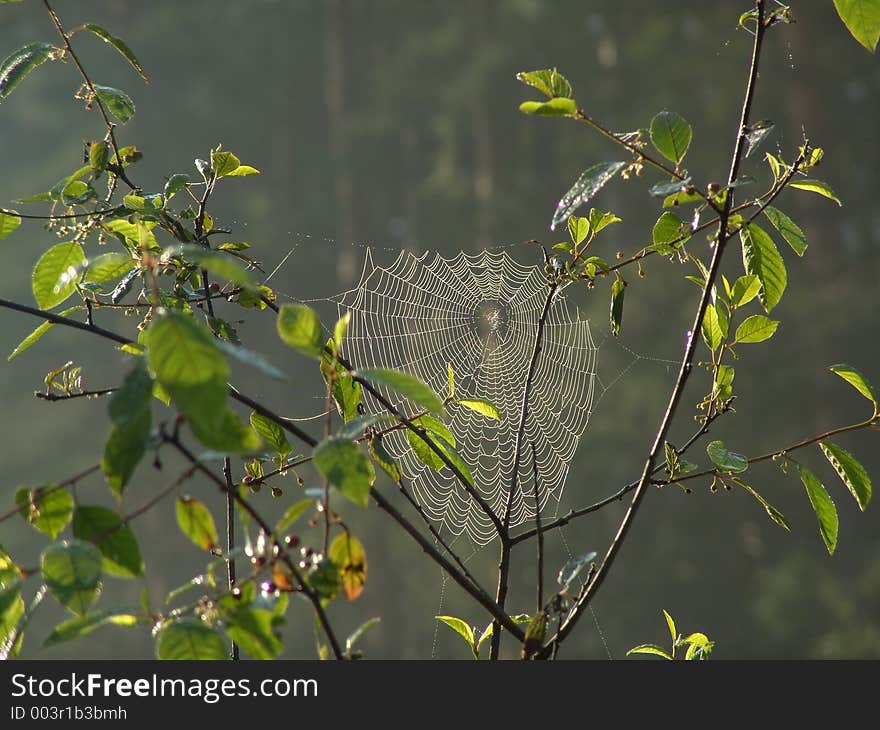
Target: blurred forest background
[{"x": 395, "y": 124}]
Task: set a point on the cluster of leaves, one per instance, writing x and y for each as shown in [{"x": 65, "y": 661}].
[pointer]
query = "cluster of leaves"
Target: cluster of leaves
[{"x": 699, "y": 647}]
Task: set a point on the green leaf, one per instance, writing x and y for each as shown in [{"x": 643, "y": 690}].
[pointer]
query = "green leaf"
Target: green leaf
[
  {"x": 788, "y": 229},
  {"x": 761, "y": 258},
  {"x": 850, "y": 471},
  {"x": 340, "y": 329},
  {"x": 450, "y": 380},
  {"x": 818, "y": 187},
  {"x": 120, "y": 45},
  {"x": 548, "y": 81},
  {"x": 351, "y": 559},
  {"x": 411, "y": 387},
  {"x": 650, "y": 649},
  {"x": 271, "y": 433},
  {"x": 672, "y": 187},
  {"x": 772, "y": 512},
  {"x": 81, "y": 625},
  {"x": 671, "y": 135},
  {"x": 722, "y": 388},
  {"x": 72, "y": 573},
  {"x": 862, "y": 19},
  {"x": 324, "y": 579},
  {"x": 384, "y": 459},
  {"x": 482, "y": 407},
  {"x": 118, "y": 102},
  {"x": 253, "y": 629},
  {"x": 669, "y": 228},
  {"x": 460, "y": 627},
  {"x": 105, "y": 529},
  {"x": 554, "y": 108},
  {"x": 437, "y": 433},
  {"x": 756, "y": 328},
  {"x": 185, "y": 360},
  {"x": 175, "y": 184},
  {"x": 108, "y": 267},
  {"x": 617, "y": 292},
  {"x": 34, "y": 336},
  {"x": 823, "y": 506},
  {"x": 725, "y": 460},
  {"x": 578, "y": 229},
  {"x": 300, "y": 327},
  {"x": 600, "y": 220},
  {"x": 355, "y": 635},
  {"x": 293, "y": 513},
  {"x": 190, "y": 639},
  {"x": 713, "y": 327},
  {"x": 345, "y": 466},
  {"x": 224, "y": 163},
  {"x": 856, "y": 380},
  {"x": 671, "y": 624},
  {"x": 20, "y": 63},
  {"x": 8, "y": 223},
  {"x": 346, "y": 390},
  {"x": 148, "y": 204},
  {"x": 681, "y": 198},
  {"x": 242, "y": 171},
  {"x": 243, "y": 354},
  {"x": 220, "y": 265},
  {"x": 197, "y": 523},
  {"x": 56, "y": 274},
  {"x": 124, "y": 449},
  {"x": 590, "y": 182},
  {"x": 48, "y": 508},
  {"x": 744, "y": 290}
]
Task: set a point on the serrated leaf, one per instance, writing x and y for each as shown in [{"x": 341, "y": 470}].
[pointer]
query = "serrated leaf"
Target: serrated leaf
[
  {"x": 197, "y": 523},
  {"x": 725, "y": 460},
  {"x": 108, "y": 266},
  {"x": 437, "y": 432},
  {"x": 650, "y": 649},
  {"x": 190, "y": 639},
  {"x": 818, "y": 187},
  {"x": 590, "y": 182},
  {"x": 578, "y": 229},
  {"x": 72, "y": 573},
  {"x": 351, "y": 559},
  {"x": 772, "y": 512},
  {"x": 271, "y": 433},
  {"x": 106, "y": 530},
  {"x": 850, "y": 471},
  {"x": 460, "y": 627},
  {"x": 761, "y": 258},
  {"x": 20, "y": 63},
  {"x": 120, "y": 45},
  {"x": 823, "y": 506},
  {"x": 862, "y": 19},
  {"x": 224, "y": 163},
  {"x": 482, "y": 407},
  {"x": 300, "y": 327},
  {"x": 600, "y": 220},
  {"x": 56, "y": 273},
  {"x": 668, "y": 229},
  {"x": 415, "y": 390},
  {"x": 9, "y": 221},
  {"x": 711, "y": 328},
  {"x": 788, "y": 229},
  {"x": 856, "y": 380},
  {"x": 660, "y": 190},
  {"x": 79, "y": 626},
  {"x": 744, "y": 290},
  {"x": 47, "y": 509},
  {"x": 345, "y": 466},
  {"x": 118, "y": 102},
  {"x": 756, "y": 328},
  {"x": 671, "y": 135},
  {"x": 553, "y": 108},
  {"x": 617, "y": 292},
  {"x": 548, "y": 81}
]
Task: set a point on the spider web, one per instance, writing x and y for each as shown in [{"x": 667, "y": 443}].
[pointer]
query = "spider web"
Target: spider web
[{"x": 479, "y": 314}]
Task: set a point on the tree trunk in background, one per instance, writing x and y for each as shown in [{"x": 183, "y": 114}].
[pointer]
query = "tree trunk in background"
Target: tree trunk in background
[{"x": 334, "y": 100}]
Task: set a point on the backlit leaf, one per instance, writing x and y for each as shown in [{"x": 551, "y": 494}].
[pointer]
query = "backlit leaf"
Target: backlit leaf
[
  {"x": 818, "y": 187},
  {"x": 850, "y": 471},
  {"x": 197, "y": 523},
  {"x": 823, "y": 506},
  {"x": 48, "y": 508},
  {"x": 20, "y": 63},
  {"x": 761, "y": 258},
  {"x": 56, "y": 274},
  {"x": 346, "y": 467},
  {"x": 118, "y": 102},
  {"x": 416, "y": 391},
  {"x": 856, "y": 380},
  {"x": 72, "y": 573},
  {"x": 300, "y": 327},
  {"x": 190, "y": 639},
  {"x": 590, "y": 182},
  {"x": 351, "y": 559},
  {"x": 756, "y": 328},
  {"x": 120, "y": 45},
  {"x": 671, "y": 135},
  {"x": 788, "y": 229}
]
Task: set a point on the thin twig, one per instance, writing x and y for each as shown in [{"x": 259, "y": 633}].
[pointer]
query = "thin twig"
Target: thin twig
[
  {"x": 52, "y": 397},
  {"x": 540, "y": 541},
  {"x": 55, "y": 487}
]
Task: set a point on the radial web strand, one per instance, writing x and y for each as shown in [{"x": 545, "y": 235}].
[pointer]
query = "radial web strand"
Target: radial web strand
[{"x": 479, "y": 314}]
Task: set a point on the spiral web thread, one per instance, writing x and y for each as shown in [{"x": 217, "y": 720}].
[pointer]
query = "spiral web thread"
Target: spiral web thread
[{"x": 478, "y": 313}]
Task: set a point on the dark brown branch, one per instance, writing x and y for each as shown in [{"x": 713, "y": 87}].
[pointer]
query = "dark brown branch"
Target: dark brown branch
[
  {"x": 678, "y": 389},
  {"x": 540, "y": 588},
  {"x": 64, "y": 216},
  {"x": 52, "y": 397}
]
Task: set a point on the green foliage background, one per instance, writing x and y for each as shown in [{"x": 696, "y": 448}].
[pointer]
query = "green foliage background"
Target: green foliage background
[{"x": 396, "y": 124}]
